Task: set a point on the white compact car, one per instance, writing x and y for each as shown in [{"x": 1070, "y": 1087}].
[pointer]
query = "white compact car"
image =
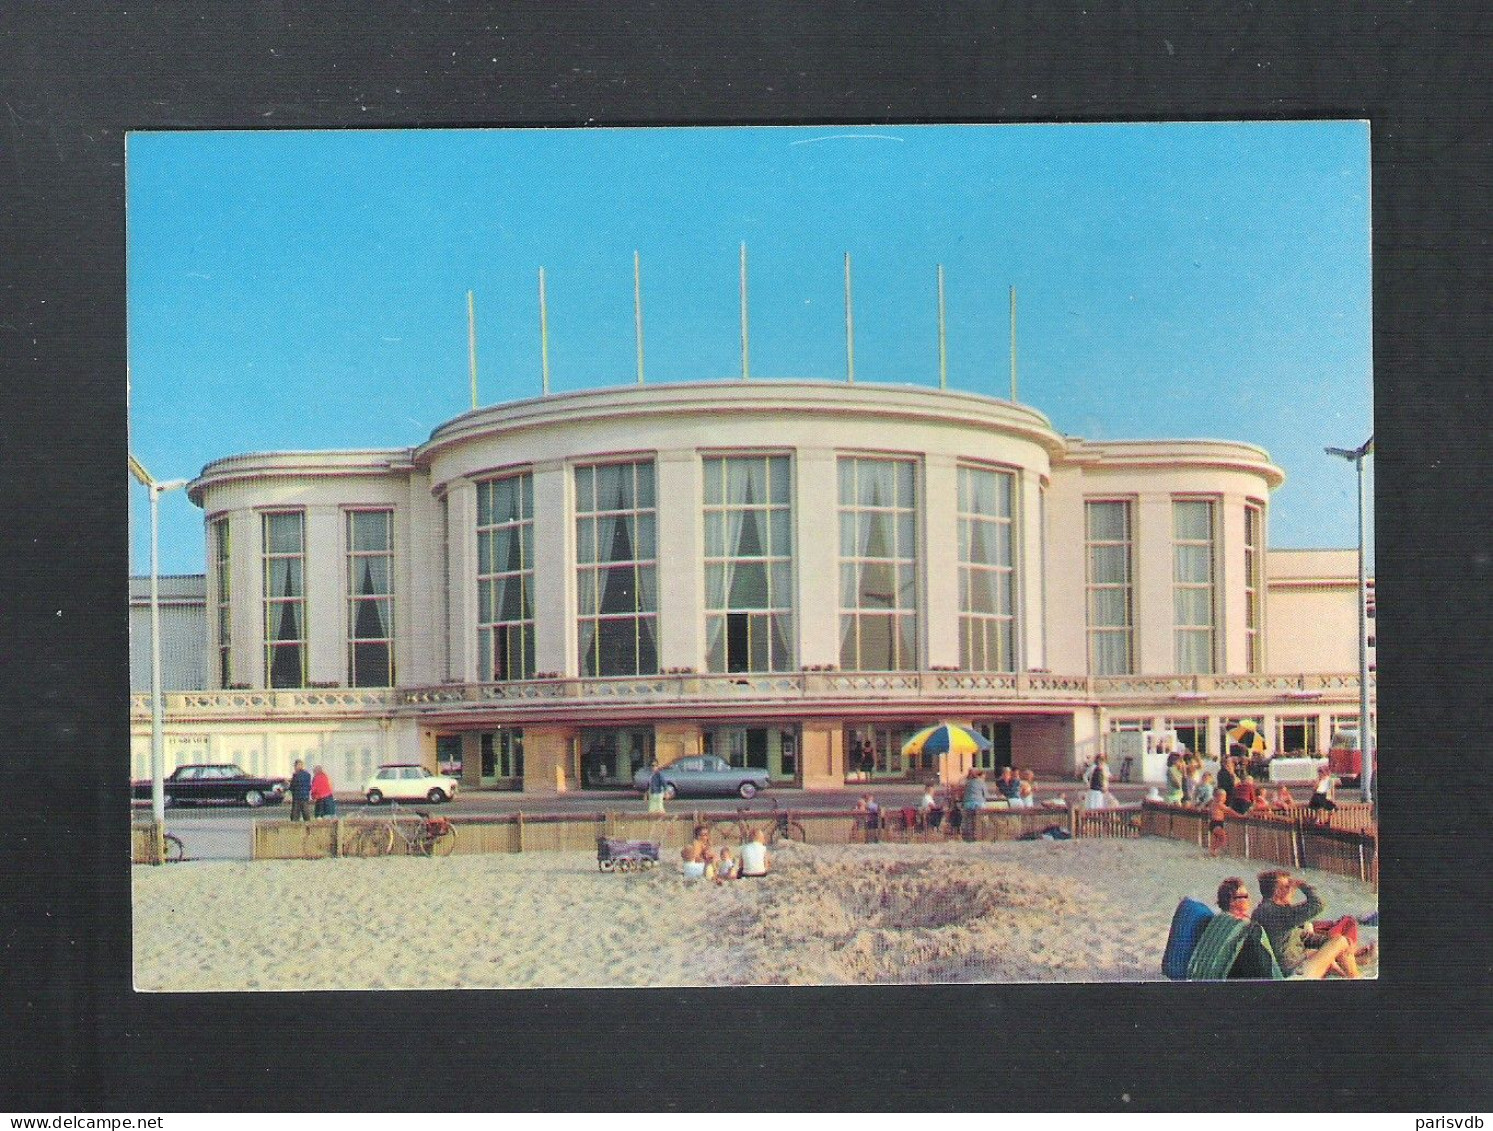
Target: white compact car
[{"x": 408, "y": 782}]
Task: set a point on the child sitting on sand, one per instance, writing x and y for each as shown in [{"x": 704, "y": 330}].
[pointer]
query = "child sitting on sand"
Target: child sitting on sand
[{"x": 724, "y": 868}]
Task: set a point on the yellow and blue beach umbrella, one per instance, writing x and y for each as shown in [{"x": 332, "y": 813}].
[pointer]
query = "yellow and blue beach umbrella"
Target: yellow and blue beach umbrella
[
  {"x": 1247, "y": 734},
  {"x": 943, "y": 739}
]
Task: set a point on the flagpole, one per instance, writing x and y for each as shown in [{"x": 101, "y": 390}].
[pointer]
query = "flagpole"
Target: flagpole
[
  {"x": 544, "y": 336},
  {"x": 637, "y": 309},
  {"x": 849, "y": 327},
  {"x": 472, "y": 343},
  {"x": 943, "y": 353},
  {"x": 1013, "y": 345},
  {"x": 746, "y": 372}
]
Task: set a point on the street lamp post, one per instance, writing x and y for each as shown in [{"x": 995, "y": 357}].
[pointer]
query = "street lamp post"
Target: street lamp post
[
  {"x": 157, "y": 733},
  {"x": 1365, "y": 731}
]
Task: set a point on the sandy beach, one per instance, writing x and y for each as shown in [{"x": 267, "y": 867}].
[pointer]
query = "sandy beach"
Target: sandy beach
[{"x": 1070, "y": 911}]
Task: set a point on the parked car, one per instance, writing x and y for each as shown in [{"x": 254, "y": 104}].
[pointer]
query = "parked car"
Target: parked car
[
  {"x": 408, "y": 782},
  {"x": 1344, "y": 759},
  {"x": 220, "y": 783},
  {"x": 704, "y": 776}
]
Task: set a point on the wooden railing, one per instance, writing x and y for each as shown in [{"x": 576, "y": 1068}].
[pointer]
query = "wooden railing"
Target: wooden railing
[
  {"x": 1292, "y": 840},
  {"x": 1292, "y": 843}
]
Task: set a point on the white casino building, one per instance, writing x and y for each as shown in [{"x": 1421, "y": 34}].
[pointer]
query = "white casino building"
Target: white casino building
[{"x": 778, "y": 572}]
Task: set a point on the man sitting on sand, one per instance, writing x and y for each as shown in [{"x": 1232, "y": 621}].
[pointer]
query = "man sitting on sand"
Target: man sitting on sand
[
  {"x": 754, "y": 856},
  {"x": 1301, "y": 952},
  {"x": 697, "y": 855}
]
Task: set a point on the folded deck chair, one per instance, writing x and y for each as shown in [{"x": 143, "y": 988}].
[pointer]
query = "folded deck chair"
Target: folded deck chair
[
  {"x": 1188, "y": 922},
  {"x": 1232, "y": 948}
]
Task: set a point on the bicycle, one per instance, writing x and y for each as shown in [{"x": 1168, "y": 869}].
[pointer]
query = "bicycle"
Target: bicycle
[
  {"x": 777, "y": 824},
  {"x": 421, "y": 835},
  {"x": 172, "y": 850}
]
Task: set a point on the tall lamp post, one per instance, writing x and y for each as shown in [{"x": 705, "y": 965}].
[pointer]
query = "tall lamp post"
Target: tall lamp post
[
  {"x": 157, "y": 737},
  {"x": 1365, "y": 731}
]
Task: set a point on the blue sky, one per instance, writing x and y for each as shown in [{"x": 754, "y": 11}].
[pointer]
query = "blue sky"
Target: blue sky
[{"x": 300, "y": 291}]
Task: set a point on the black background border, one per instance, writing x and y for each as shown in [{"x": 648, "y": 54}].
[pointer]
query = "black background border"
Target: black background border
[{"x": 75, "y": 77}]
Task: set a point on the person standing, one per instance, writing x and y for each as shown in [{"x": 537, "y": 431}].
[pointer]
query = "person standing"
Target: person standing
[
  {"x": 656, "y": 787},
  {"x": 1176, "y": 777},
  {"x": 1098, "y": 783},
  {"x": 300, "y": 793},
  {"x": 974, "y": 800},
  {"x": 322, "y": 800},
  {"x": 1322, "y": 803}
]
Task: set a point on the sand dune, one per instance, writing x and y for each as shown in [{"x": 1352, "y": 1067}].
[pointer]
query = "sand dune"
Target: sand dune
[{"x": 1088, "y": 910}]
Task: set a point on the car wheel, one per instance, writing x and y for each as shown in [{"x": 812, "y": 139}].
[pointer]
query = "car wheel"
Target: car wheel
[
  {"x": 436, "y": 796},
  {"x": 747, "y": 791},
  {"x": 253, "y": 798},
  {"x": 375, "y": 797},
  {"x": 669, "y": 791}
]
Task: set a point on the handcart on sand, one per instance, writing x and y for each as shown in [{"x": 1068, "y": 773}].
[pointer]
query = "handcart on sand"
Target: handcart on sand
[{"x": 617, "y": 855}]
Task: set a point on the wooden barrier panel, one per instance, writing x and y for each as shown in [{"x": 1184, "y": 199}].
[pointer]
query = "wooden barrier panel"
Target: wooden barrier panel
[
  {"x": 1285, "y": 840},
  {"x": 143, "y": 844}
]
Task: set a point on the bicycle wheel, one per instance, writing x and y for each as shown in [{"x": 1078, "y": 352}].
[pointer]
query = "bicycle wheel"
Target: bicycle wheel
[
  {"x": 372, "y": 840},
  {"x": 442, "y": 843},
  {"x": 174, "y": 850},
  {"x": 792, "y": 830}
]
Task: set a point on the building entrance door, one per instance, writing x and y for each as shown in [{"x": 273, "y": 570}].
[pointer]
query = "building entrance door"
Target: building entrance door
[{"x": 998, "y": 757}]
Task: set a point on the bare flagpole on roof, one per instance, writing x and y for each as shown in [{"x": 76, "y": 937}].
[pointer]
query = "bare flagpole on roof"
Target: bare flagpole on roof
[
  {"x": 1013, "y": 345},
  {"x": 746, "y": 371},
  {"x": 544, "y": 337},
  {"x": 943, "y": 353},
  {"x": 472, "y": 343},
  {"x": 849, "y": 328},
  {"x": 637, "y": 309}
]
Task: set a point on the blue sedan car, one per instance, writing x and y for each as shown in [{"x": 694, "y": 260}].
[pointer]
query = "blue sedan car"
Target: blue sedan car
[{"x": 703, "y": 777}]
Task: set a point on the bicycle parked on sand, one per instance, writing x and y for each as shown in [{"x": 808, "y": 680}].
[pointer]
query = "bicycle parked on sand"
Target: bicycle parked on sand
[{"x": 420, "y": 834}]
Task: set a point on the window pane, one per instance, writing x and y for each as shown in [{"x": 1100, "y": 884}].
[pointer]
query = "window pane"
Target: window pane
[
  {"x": 780, "y": 480},
  {"x": 1111, "y": 653},
  {"x": 715, "y": 543},
  {"x": 715, "y": 587},
  {"x": 370, "y": 531},
  {"x": 370, "y": 575},
  {"x": 646, "y": 545},
  {"x": 1193, "y": 521},
  {"x": 614, "y": 487},
  {"x": 585, "y": 590},
  {"x": 1109, "y": 607},
  {"x": 1194, "y": 563},
  {"x": 904, "y": 484},
  {"x": 647, "y": 589},
  {"x": 1194, "y": 606},
  {"x": 1108, "y": 522},
  {"x": 645, "y": 486},
  {"x": 283, "y": 533},
  {"x": 712, "y": 472},
  {"x": 782, "y": 585},
  {"x": 848, "y": 545},
  {"x": 585, "y": 541},
  {"x": 585, "y": 490},
  {"x": 780, "y": 533},
  {"x": 1109, "y": 565},
  {"x": 847, "y": 482},
  {"x": 285, "y": 577}
]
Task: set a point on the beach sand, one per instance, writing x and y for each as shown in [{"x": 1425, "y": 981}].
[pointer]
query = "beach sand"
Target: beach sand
[{"x": 1067, "y": 911}]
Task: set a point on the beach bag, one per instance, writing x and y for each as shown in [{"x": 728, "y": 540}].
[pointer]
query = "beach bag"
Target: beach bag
[{"x": 1188, "y": 922}]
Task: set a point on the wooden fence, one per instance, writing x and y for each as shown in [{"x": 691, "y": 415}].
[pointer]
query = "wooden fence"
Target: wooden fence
[{"x": 1290, "y": 840}]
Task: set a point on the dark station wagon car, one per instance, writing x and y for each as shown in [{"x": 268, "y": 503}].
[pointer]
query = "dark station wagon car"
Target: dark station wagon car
[{"x": 216, "y": 783}]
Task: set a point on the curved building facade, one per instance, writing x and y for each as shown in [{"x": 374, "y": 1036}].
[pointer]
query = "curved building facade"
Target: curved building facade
[{"x": 790, "y": 574}]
